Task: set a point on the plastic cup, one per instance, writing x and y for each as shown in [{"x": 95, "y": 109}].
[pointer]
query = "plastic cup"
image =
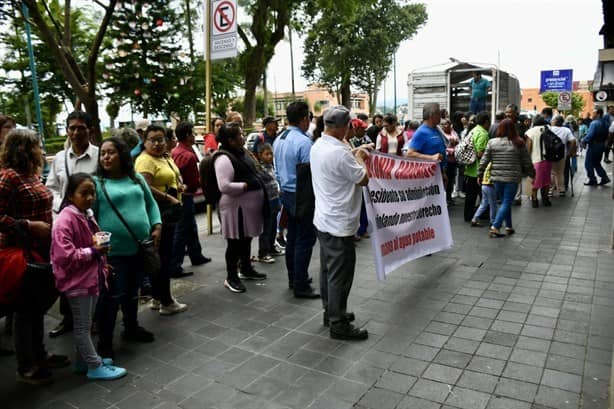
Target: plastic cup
[{"x": 103, "y": 238}]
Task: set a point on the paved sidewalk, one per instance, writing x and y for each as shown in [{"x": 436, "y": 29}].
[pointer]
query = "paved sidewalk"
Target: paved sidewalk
[{"x": 520, "y": 322}]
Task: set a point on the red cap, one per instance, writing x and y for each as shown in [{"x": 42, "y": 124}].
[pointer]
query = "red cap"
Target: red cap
[{"x": 358, "y": 123}]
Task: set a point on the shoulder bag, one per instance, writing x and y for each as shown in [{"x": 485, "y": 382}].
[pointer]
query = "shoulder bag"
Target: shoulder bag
[{"x": 146, "y": 249}]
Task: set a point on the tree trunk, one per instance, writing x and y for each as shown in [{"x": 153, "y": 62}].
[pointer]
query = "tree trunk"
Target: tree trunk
[
  {"x": 91, "y": 107},
  {"x": 252, "y": 79},
  {"x": 346, "y": 94}
]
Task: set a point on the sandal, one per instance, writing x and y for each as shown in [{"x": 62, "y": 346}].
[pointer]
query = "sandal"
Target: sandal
[
  {"x": 493, "y": 233},
  {"x": 509, "y": 231}
]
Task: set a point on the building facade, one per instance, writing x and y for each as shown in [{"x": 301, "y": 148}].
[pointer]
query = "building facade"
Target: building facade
[{"x": 318, "y": 98}]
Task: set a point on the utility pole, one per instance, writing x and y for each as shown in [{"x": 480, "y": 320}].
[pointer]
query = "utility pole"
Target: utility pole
[
  {"x": 291, "y": 61},
  {"x": 37, "y": 102},
  {"x": 394, "y": 69}
]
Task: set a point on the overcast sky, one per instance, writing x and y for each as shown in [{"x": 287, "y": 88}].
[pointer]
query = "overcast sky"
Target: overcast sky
[{"x": 528, "y": 35}]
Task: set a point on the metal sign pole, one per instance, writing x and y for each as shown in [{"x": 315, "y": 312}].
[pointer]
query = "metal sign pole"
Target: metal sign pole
[
  {"x": 37, "y": 103},
  {"x": 208, "y": 94}
]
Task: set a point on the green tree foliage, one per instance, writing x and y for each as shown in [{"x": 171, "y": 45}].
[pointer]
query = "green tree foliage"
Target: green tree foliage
[
  {"x": 143, "y": 66},
  {"x": 270, "y": 19},
  {"x": 577, "y": 102},
  {"x": 16, "y": 83},
  {"x": 239, "y": 105},
  {"x": 357, "y": 49}
]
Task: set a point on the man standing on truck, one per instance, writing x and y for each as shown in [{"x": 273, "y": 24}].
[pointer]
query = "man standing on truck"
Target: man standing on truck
[{"x": 479, "y": 91}]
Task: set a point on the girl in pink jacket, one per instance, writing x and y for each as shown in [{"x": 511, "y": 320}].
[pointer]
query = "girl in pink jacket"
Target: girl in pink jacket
[{"x": 79, "y": 266}]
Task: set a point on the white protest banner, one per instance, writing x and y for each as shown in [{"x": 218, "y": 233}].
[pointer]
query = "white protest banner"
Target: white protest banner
[{"x": 406, "y": 207}]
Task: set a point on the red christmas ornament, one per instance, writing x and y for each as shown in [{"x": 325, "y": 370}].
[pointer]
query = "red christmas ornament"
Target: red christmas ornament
[
  {"x": 159, "y": 22},
  {"x": 137, "y": 92}
]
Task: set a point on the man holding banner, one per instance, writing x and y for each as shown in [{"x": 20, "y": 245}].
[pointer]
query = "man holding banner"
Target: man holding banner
[{"x": 337, "y": 176}]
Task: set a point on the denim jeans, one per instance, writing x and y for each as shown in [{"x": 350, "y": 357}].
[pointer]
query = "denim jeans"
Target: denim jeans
[
  {"x": 592, "y": 162},
  {"x": 300, "y": 240},
  {"x": 124, "y": 282},
  {"x": 266, "y": 241},
  {"x": 186, "y": 234},
  {"x": 489, "y": 200},
  {"x": 82, "y": 311},
  {"x": 507, "y": 192},
  {"x": 477, "y": 105}
]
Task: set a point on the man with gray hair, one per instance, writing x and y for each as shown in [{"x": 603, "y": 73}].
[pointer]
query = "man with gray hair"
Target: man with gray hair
[
  {"x": 338, "y": 172},
  {"x": 560, "y": 169}
]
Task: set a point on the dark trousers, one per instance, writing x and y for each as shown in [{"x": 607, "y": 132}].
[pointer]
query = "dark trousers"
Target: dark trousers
[
  {"x": 364, "y": 221},
  {"x": 337, "y": 263},
  {"x": 451, "y": 173},
  {"x": 592, "y": 162},
  {"x": 567, "y": 174},
  {"x": 266, "y": 241},
  {"x": 472, "y": 191},
  {"x": 28, "y": 333},
  {"x": 299, "y": 244},
  {"x": 186, "y": 234},
  {"x": 238, "y": 251},
  {"x": 65, "y": 310},
  {"x": 161, "y": 289},
  {"x": 123, "y": 282}
]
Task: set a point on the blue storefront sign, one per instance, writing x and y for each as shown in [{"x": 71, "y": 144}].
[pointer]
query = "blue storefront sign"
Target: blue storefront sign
[{"x": 556, "y": 81}]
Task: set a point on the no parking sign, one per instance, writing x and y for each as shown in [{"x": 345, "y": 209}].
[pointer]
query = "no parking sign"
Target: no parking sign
[{"x": 223, "y": 29}]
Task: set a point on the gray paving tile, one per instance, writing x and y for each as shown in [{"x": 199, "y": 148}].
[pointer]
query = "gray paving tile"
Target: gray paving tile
[
  {"x": 499, "y": 402},
  {"x": 442, "y": 373},
  {"x": 410, "y": 402},
  {"x": 562, "y": 380},
  {"x": 518, "y": 390},
  {"x": 430, "y": 339},
  {"x": 453, "y": 358},
  {"x": 377, "y": 398},
  {"x": 409, "y": 366},
  {"x": 474, "y": 334},
  {"x": 467, "y": 398},
  {"x": 396, "y": 382},
  {"x": 494, "y": 351},
  {"x": 533, "y": 344},
  {"x": 430, "y": 390},
  {"x": 478, "y": 381},
  {"x": 364, "y": 373},
  {"x": 486, "y": 365},
  {"x": 523, "y": 372},
  {"x": 527, "y": 357},
  {"x": 423, "y": 352},
  {"x": 556, "y": 398}
]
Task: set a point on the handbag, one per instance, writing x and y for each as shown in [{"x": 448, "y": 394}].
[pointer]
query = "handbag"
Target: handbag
[
  {"x": 150, "y": 258},
  {"x": 171, "y": 213},
  {"x": 464, "y": 152}
]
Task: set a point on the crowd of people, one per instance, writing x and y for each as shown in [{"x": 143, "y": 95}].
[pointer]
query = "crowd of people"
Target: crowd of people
[{"x": 103, "y": 209}]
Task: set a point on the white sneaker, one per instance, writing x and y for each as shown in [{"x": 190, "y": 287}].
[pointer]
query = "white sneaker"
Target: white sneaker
[
  {"x": 461, "y": 194},
  {"x": 266, "y": 259},
  {"x": 154, "y": 304},
  {"x": 454, "y": 194},
  {"x": 173, "y": 308}
]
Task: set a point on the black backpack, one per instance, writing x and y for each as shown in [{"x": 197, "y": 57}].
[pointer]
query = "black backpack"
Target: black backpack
[
  {"x": 208, "y": 180},
  {"x": 551, "y": 146}
]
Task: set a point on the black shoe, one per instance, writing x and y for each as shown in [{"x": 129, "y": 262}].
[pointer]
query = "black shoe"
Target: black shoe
[
  {"x": 62, "y": 328},
  {"x": 38, "y": 377},
  {"x": 291, "y": 285},
  {"x": 517, "y": 202},
  {"x": 200, "y": 261},
  {"x": 546, "y": 201},
  {"x": 252, "y": 275},
  {"x": 591, "y": 183},
  {"x": 308, "y": 293},
  {"x": 182, "y": 274},
  {"x": 605, "y": 181},
  {"x": 57, "y": 361},
  {"x": 138, "y": 334},
  {"x": 236, "y": 286},
  {"x": 348, "y": 316},
  {"x": 535, "y": 203},
  {"x": 347, "y": 331},
  {"x": 281, "y": 241}
]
